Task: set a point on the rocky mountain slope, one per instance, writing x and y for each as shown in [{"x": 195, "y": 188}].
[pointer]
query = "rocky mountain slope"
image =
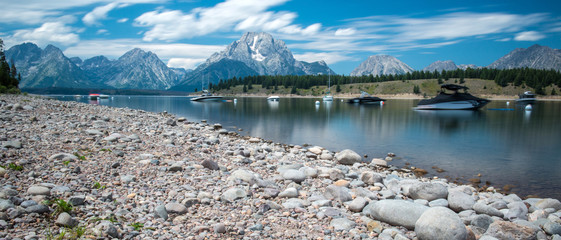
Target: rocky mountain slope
[
  {"x": 47, "y": 68},
  {"x": 260, "y": 53},
  {"x": 381, "y": 65},
  {"x": 441, "y": 65},
  {"x": 536, "y": 56}
]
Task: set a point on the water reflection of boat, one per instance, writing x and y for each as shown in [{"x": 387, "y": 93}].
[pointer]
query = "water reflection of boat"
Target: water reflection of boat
[
  {"x": 526, "y": 98},
  {"x": 365, "y": 98},
  {"x": 273, "y": 98},
  {"x": 453, "y": 101},
  {"x": 328, "y": 97}
]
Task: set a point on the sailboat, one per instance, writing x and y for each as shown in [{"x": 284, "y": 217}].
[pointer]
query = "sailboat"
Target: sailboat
[
  {"x": 206, "y": 95},
  {"x": 328, "y": 97}
]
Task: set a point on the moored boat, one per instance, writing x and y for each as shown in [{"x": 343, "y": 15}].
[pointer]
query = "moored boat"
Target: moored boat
[
  {"x": 452, "y": 101},
  {"x": 526, "y": 98},
  {"x": 366, "y": 98},
  {"x": 206, "y": 96},
  {"x": 273, "y": 98}
]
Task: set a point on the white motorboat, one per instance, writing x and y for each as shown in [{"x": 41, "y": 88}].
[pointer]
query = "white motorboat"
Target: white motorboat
[
  {"x": 206, "y": 96},
  {"x": 452, "y": 101},
  {"x": 273, "y": 98},
  {"x": 526, "y": 98},
  {"x": 366, "y": 98}
]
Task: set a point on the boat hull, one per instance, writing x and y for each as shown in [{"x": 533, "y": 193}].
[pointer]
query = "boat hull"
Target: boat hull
[
  {"x": 206, "y": 98},
  {"x": 525, "y": 101},
  {"x": 454, "y": 105},
  {"x": 328, "y": 98}
]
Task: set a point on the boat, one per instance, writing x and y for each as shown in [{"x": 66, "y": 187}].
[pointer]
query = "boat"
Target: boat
[
  {"x": 452, "y": 101},
  {"x": 273, "y": 98},
  {"x": 95, "y": 96},
  {"x": 366, "y": 98},
  {"x": 206, "y": 97},
  {"x": 526, "y": 98},
  {"x": 328, "y": 97}
]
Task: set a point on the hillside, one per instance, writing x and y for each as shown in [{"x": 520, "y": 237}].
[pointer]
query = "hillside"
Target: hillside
[{"x": 394, "y": 89}]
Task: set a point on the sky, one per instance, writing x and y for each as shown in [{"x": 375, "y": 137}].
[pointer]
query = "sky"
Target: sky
[{"x": 184, "y": 33}]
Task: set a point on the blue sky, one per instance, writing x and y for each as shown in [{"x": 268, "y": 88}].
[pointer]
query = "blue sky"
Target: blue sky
[{"x": 183, "y": 33}]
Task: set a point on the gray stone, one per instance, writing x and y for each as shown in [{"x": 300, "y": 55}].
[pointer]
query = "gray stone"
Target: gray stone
[
  {"x": 337, "y": 193},
  {"x": 171, "y": 122},
  {"x": 63, "y": 157},
  {"x": 482, "y": 208},
  {"x": 342, "y": 224},
  {"x": 438, "y": 203},
  {"x": 243, "y": 175},
  {"x": 460, "y": 201},
  {"x": 128, "y": 178},
  {"x": 176, "y": 168},
  {"x": 499, "y": 204},
  {"x": 348, "y": 157},
  {"x": 294, "y": 175},
  {"x": 509, "y": 230},
  {"x": 77, "y": 200},
  {"x": 549, "y": 203},
  {"x": 270, "y": 192},
  {"x": 440, "y": 223},
  {"x": 64, "y": 219},
  {"x": 12, "y": 144},
  {"x": 209, "y": 164},
  {"x": 371, "y": 178},
  {"x": 38, "y": 190},
  {"x": 162, "y": 212},
  {"x": 5, "y": 204},
  {"x": 177, "y": 208},
  {"x": 219, "y": 228},
  {"x": 289, "y": 193},
  {"x": 379, "y": 162},
  {"x": 28, "y": 203},
  {"x": 60, "y": 190},
  {"x": 39, "y": 208},
  {"x": 232, "y": 194},
  {"x": 309, "y": 172},
  {"x": 295, "y": 203},
  {"x": 428, "y": 191},
  {"x": 94, "y": 132},
  {"x": 395, "y": 212},
  {"x": 552, "y": 228},
  {"x": 357, "y": 204},
  {"x": 517, "y": 210},
  {"x": 482, "y": 221}
]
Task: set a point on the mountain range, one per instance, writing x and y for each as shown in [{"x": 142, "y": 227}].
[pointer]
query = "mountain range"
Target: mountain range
[{"x": 253, "y": 54}]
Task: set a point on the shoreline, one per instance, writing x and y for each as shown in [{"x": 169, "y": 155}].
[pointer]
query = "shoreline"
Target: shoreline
[
  {"x": 390, "y": 96},
  {"x": 182, "y": 179}
]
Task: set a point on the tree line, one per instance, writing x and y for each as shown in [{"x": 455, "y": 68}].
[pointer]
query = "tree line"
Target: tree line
[
  {"x": 537, "y": 79},
  {"x": 9, "y": 77}
]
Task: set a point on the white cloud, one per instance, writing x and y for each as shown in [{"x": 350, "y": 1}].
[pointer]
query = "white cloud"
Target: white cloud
[
  {"x": 328, "y": 57},
  {"x": 503, "y": 40},
  {"x": 345, "y": 32},
  {"x": 102, "y": 31},
  {"x": 49, "y": 33},
  {"x": 186, "y": 63},
  {"x": 100, "y": 13},
  {"x": 184, "y": 54},
  {"x": 122, "y": 20},
  {"x": 529, "y": 36},
  {"x": 40, "y": 11},
  {"x": 239, "y": 15},
  {"x": 459, "y": 25}
]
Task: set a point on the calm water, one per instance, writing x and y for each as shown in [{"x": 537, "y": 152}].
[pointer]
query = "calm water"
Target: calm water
[{"x": 517, "y": 147}]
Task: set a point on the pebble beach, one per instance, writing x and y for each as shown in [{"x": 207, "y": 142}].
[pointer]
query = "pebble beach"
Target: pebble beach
[{"x": 73, "y": 170}]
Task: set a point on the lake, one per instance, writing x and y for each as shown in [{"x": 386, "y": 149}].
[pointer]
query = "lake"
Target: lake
[{"x": 504, "y": 143}]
